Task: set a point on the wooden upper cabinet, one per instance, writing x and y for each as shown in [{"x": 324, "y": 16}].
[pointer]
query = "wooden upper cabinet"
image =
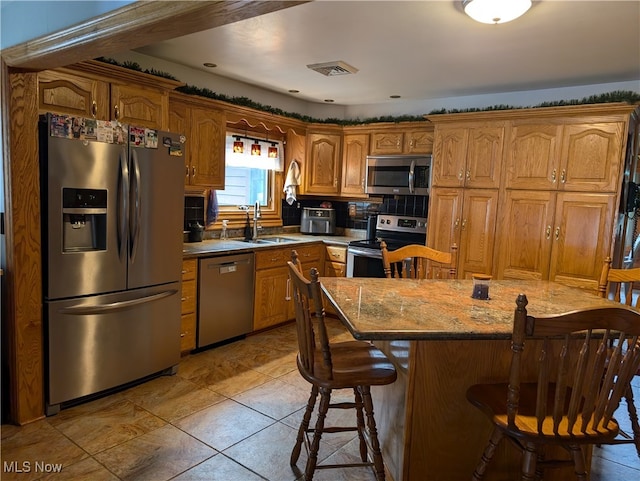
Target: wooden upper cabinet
[
  {"x": 74, "y": 95},
  {"x": 354, "y": 157},
  {"x": 296, "y": 150},
  {"x": 591, "y": 156},
  {"x": 532, "y": 156},
  {"x": 207, "y": 138},
  {"x": 323, "y": 161},
  {"x": 205, "y": 130},
  {"x": 395, "y": 142},
  {"x": 140, "y": 106},
  {"x": 418, "y": 142},
  {"x": 179, "y": 123},
  {"x": 579, "y": 157},
  {"x": 387, "y": 143},
  {"x": 468, "y": 156}
]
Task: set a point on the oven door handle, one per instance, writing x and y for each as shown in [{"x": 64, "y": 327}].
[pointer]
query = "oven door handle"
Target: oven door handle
[{"x": 365, "y": 252}]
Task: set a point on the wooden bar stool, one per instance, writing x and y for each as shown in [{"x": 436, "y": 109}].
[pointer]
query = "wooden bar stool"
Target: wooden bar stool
[
  {"x": 573, "y": 399},
  {"x": 355, "y": 365}
]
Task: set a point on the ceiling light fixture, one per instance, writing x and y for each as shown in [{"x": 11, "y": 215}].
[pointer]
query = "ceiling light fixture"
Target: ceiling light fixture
[
  {"x": 495, "y": 11},
  {"x": 210, "y": 65}
]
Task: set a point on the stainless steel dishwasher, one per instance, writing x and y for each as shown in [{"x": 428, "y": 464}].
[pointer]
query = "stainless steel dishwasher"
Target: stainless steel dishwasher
[{"x": 225, "y": 298}]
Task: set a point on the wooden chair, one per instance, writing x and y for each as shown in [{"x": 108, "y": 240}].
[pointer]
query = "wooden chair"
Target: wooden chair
[
  {"x": 573, "y": 400},
  {"x": 419, "y": 262},
  {"x": 355, "y": 365},
  {"x": 618, "y": 283}
]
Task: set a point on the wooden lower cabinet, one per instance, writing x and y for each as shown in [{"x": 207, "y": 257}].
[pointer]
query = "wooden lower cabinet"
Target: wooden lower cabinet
[
  {"x": 466, "y": 217},
  {"x": 188, "y": 321},
  {"x": 335, "y": 263},
  {"x": 272, "y": 285},
  {"x": 557, "y": 236}
]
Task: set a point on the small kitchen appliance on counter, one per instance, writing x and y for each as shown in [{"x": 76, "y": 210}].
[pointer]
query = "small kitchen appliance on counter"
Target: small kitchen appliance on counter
[{"x": 318, "y": 220}]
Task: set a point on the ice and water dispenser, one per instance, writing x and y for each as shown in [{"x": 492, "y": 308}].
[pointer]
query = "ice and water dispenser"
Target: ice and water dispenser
[{"x": 84, "y": 219}]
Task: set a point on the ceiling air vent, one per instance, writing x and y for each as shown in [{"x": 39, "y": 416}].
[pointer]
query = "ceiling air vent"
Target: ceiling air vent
[{"x": 333, "y": 68}]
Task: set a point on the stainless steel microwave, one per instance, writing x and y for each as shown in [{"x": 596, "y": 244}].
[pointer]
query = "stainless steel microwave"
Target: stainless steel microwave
[{"x": 398, "y": 174}]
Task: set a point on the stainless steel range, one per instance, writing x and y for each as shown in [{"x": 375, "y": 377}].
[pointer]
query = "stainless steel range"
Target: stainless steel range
[{"x": 364, "y": 258}]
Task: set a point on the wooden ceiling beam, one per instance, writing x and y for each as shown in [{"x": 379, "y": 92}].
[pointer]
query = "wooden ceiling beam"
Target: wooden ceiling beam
[{"x": 132, "y": 26}]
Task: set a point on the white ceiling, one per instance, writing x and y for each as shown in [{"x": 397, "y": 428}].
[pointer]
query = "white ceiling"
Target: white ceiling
[{"x": 419, "y": 49}]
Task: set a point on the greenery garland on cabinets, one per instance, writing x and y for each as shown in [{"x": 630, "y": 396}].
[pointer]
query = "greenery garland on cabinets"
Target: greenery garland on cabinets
[{"x": 627, "y": 96}]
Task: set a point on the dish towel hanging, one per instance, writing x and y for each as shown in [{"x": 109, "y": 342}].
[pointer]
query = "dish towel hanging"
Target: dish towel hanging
[
  {"x": 292, "y": 180},
  {"x": 212, "y": 207}
]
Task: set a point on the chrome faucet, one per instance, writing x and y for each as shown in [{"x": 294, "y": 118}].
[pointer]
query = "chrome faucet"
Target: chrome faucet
[{"x": 256, "y": 216}]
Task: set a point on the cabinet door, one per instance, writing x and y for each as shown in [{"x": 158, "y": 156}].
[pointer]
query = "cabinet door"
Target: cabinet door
[
  {"x": 354, "y": 157},
  {"x": 271, "y": 306},
  {"x": 445, "y": 212},
  {"x": 477, "y": 232},
  {"x": 581, "y": 237},
  {"x": 449, "y": 156},
  {"x": 418, "y": 142},
  {"x": 179, "y": 123},
  {"x": 484, "y": 157},
  {"x": 525, "y": 235},
  {"x": 323, "y": 154},
  {"x": 138, "y": 106},
  {"x": 532, "y": 160},
  {"x": 207, "y": 144},
  {"x": 296, "y": 150},
  {"x": 591, "y": 157},
  {"x": 70, "y": 94},
  {"x": 386, "y": 143}
]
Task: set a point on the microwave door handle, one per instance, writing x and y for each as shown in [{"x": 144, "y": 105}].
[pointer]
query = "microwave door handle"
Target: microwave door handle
[{"x": 411, "y": 176}]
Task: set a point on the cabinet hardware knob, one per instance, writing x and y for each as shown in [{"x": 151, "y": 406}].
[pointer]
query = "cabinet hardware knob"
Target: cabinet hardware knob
[
  {"x": 548, "y": 232},
  {"x": 193, "y": 171},
  {"x": 457, "y": 223},
  {"x": 557, "y": 233},
  {"x": 186, "y": 172},
  {"x": 563, "y": 176},
  {"x": 116, "y": 112},
  {"x": 460, "y": 174},
  {"x": 553, "y": 176},
  {"x": 183, "y": 299},
  {"x": 182, "y": 334},
  {"x": 468, "y": 174},
  {"x": 464, "y": 224},
  {"x": 94, "y": 109}
]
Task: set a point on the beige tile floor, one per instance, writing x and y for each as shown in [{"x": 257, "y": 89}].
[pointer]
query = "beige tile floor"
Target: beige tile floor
[{"x": 230, "y": 414}]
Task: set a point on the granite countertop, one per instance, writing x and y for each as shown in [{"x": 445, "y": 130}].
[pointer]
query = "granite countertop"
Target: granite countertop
[
  {"x": 237, "y": 245},
  {"x": 405, "y": 309}
]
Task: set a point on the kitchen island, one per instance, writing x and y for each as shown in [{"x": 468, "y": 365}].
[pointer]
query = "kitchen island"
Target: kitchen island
[{"x": 441, "y": 342}]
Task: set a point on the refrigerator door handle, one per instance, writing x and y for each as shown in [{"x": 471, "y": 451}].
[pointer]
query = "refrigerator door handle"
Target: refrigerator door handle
[
  {"x": 123, "y": 202},
  {"x": 82, "y": 310},
  {"x": 136, "y": 208}
]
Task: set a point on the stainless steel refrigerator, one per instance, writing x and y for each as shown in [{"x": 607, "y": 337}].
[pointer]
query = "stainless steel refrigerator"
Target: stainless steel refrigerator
[{"x": 112, "y": 213}]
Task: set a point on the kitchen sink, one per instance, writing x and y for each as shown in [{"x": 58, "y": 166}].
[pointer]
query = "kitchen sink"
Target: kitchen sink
[{"x": 271, "y": 240}]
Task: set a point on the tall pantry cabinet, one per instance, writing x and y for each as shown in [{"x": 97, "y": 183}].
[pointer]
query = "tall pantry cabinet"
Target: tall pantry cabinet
[{"x": 555, "y": 188}]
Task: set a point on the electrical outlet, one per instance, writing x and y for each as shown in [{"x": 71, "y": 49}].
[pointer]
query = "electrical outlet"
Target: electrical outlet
[{"x": 352, "y": 210}]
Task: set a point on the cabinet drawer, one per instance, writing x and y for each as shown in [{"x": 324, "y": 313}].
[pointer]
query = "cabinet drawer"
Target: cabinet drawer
[
  {"x": 266, "y": 259},
  {"x": 272, "y": 258},
  {"x": 189, "y": 268},
  {"x": 336, "y": 254},
  {"x": 188, "y": 332},
  {"x": 188, "y": 296}
]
